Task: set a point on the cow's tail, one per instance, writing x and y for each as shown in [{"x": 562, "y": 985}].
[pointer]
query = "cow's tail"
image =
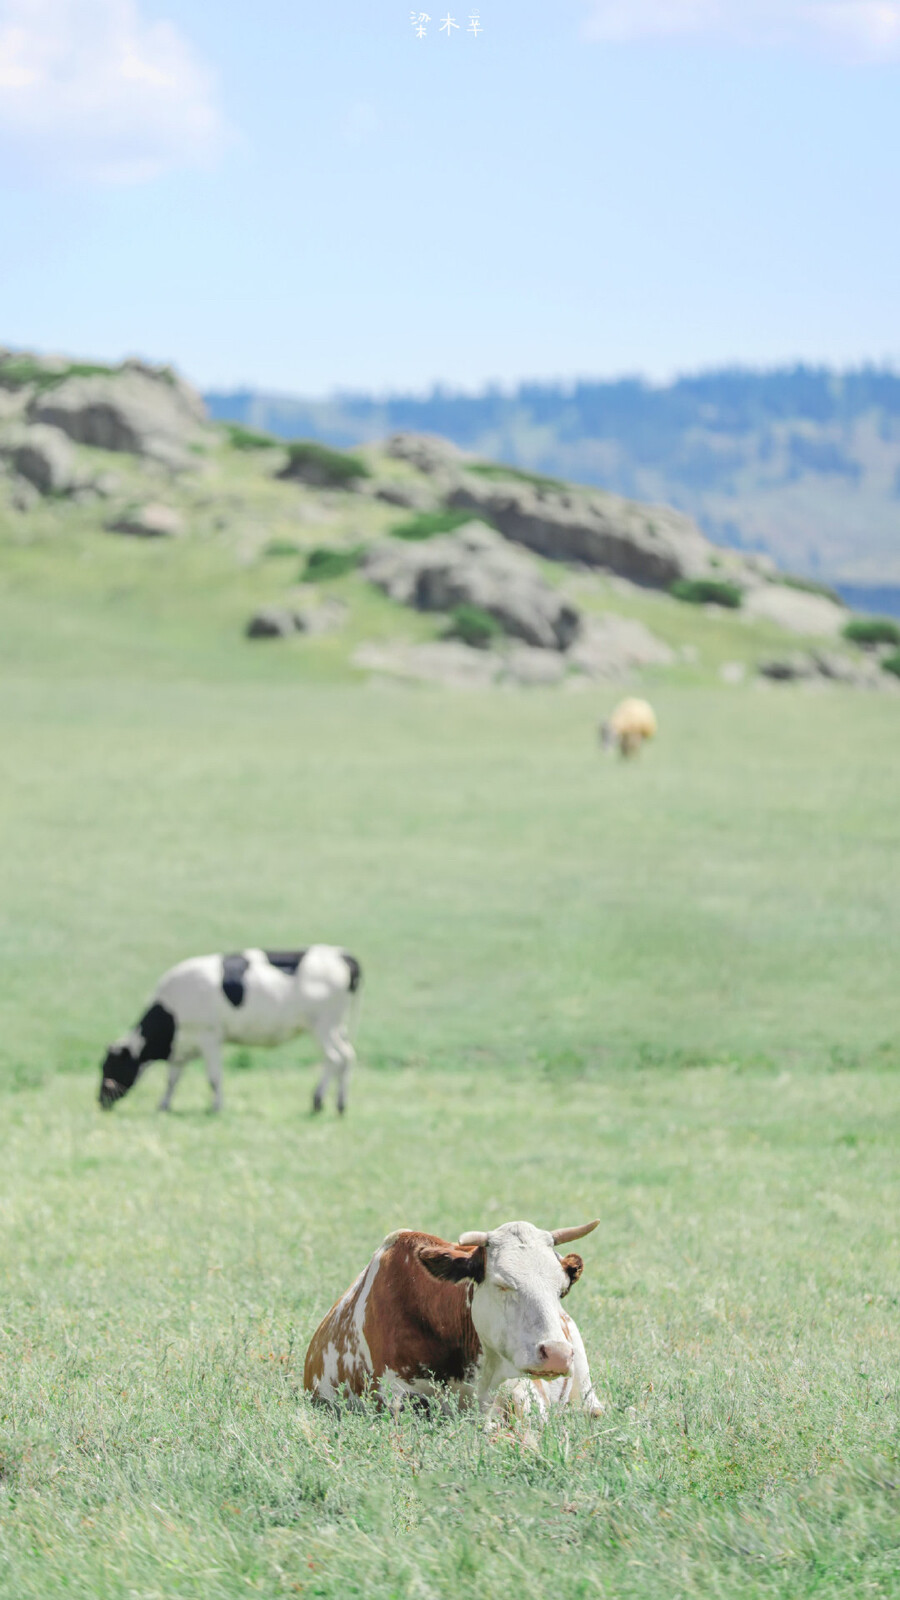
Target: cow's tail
[{"x": 354, "y": 988}]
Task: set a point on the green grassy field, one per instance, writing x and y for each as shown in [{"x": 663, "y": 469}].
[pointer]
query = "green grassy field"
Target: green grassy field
[{"x": 664, "y": 994}]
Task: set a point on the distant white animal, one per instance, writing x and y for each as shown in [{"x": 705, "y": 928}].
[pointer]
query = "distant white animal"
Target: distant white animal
[
  {"x": 631, "y": 723},
  {"x": 254, "y": 997}
]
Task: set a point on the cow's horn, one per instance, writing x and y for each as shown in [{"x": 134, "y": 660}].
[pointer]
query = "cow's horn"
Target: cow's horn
[
  {"x": 565, "y": 1235},
  {"x": 473, "y": 1238}
]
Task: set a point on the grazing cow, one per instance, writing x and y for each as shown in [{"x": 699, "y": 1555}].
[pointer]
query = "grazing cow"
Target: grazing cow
[
  {"x": 631, "y": 723},
  {"x": 254, "y": 997},
  {"x": 426, "y": 1316}
]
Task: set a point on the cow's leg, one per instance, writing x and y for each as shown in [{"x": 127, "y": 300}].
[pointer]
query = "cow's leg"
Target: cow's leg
[
  {"x": 328, "y": 1071},
  {"x": 578, "y": 1389},
  {"x": 212, "y": 1055},
  {"x": 348, "y": 1060},
  {"x": 176, "y": 1068},
  {"x": 591, "y": 1405},
  {"x": 486, "y": 1385},
  {"x": 339, "y": 1058}
]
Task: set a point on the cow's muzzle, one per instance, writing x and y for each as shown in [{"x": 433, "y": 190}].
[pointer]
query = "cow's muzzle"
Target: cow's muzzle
[
  {"x": 110, "y": 1092},
  {"x": 555, "y": 1360}
]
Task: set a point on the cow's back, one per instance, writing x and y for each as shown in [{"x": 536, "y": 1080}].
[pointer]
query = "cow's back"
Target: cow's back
[{"x": 396, "y": 1329}]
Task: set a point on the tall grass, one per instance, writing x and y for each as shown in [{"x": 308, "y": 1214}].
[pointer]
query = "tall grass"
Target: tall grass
[{"x": 663, "y": 994}]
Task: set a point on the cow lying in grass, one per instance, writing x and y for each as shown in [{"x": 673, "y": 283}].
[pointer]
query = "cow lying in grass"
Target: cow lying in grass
[
  {"x": 426, "y": 1316},
  {"x": 255, "y": 997}
]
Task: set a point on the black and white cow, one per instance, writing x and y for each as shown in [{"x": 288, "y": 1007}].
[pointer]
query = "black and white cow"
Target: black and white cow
[{"x": 253, "y": 997}]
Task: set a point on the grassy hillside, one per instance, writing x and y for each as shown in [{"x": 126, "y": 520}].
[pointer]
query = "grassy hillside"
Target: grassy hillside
[
  {"x": 661, "y": 993},
  {"x": 803, "y": 463},
  {"x": 181, "y": 605}
]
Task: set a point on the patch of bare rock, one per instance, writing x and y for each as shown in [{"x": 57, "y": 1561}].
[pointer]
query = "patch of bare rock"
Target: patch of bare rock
[
  {"x": 650, "y": 545},
  {"x": 281, "y": 622},
  {"x": 610, "y": 646},
  {"x": 460, "y": 666},
  {"x": 818, "y": 666},
  {"x": 796, "y": 610},
  {"x": 152, "y": 521},
  {"x": 42, "y": 456},
  {"x": 475, "y": 566},
  {"x": 426, "y": 451},
  {"x": 147, "y": 411},
  {"x": 410, "y": 496}
]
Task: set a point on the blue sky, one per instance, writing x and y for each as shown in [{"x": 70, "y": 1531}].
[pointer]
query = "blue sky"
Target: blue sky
[{"x": 305, "y": 196}]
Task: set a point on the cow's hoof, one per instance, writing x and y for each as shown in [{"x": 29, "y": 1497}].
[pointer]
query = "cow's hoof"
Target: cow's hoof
[
  {"x": 162, "y": 1106},
  {"x": 341, "y": 1109},
  {"x": 317, "y": 1103}
]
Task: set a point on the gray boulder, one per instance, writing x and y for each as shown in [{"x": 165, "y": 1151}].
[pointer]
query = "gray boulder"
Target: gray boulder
[
  {"x": 648, "y": 544},
  {"x": 411, "y": 496},
  {"x": 281, "y": 622},
  {"x": 426, "y": 451},
  {"x": 143, "y": 410},
  {"x": 533, "y": 669},
  {"x": 43, "y": 456},
  {"x": 610, "y": 646},
  {"x": 862, "y": 674},
  {"x": 272, "y": 622},
  {"x": 823, "y": 665},
  {"x": 23, "y": 496},
  {"x": 475, "y": 566},
  {"x": 733, "y": 673},
  {"x": 328, "y": 617},
  {"x": 788, "y": 669},
  {"x": 151, "y": 521},
  {"x": 796, "y": 610}
]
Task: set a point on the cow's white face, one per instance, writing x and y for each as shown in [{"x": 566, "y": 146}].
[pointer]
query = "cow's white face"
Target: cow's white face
[
  {"x": 519, "y": 1281},
  {"x": 516, "y": 1308}
]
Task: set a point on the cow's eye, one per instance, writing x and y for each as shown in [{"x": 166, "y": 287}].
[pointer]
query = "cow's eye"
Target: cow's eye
[{"x": 505, "y": 1288}]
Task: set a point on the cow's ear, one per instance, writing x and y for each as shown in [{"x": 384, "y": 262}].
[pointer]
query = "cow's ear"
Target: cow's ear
[
  {"x": 454, "y": 1262},
  {"x": 573, "y": 1267}
]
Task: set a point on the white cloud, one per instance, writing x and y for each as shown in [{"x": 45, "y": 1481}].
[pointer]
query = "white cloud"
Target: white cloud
[
  {"x": 88, "y": 88},
  {"x": 866, "y": 29}
]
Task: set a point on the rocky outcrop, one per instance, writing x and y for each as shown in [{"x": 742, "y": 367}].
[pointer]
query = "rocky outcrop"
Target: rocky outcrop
[
  {"x": 461, "y": 666},
  {"x": 411, "y": 496},
  {"x": 43, "y": 456},
  {"x": 649, "y": 544},
  {"x": 614, "y": 647},
  {"x": 829, "y": 665},
  {"x": 272, "y": 622},
  {"x": 327, "y": 617},
  {"x": 148, "y": 522},
  {"x": 280, "y": 622},
  {"x": 475, "y": 566},
  {"x": 426, "y": 451},
  {"x": 796, "y": 610},
  {"x": 143, "y": 410},
  {"x": 533, "y": 669}
]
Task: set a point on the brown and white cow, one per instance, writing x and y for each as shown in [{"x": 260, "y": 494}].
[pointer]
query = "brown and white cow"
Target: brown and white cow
[{"x": 426, "y": 1316}]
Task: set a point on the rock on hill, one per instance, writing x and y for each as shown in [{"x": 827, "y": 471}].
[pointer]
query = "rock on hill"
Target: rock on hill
[
  {"x": 144, "y": 410},
  {"x": 801, "y": 462},
  {"x": 499, "y": 574}
]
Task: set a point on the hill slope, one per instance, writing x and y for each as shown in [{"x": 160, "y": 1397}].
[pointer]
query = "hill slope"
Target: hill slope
[
  {"x": 130, "y": 524},
  {"x": 803, "y": 463}
]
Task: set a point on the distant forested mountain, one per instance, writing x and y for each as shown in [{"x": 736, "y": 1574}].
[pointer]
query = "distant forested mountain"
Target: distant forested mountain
[{"x": 803, "y": 462}]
